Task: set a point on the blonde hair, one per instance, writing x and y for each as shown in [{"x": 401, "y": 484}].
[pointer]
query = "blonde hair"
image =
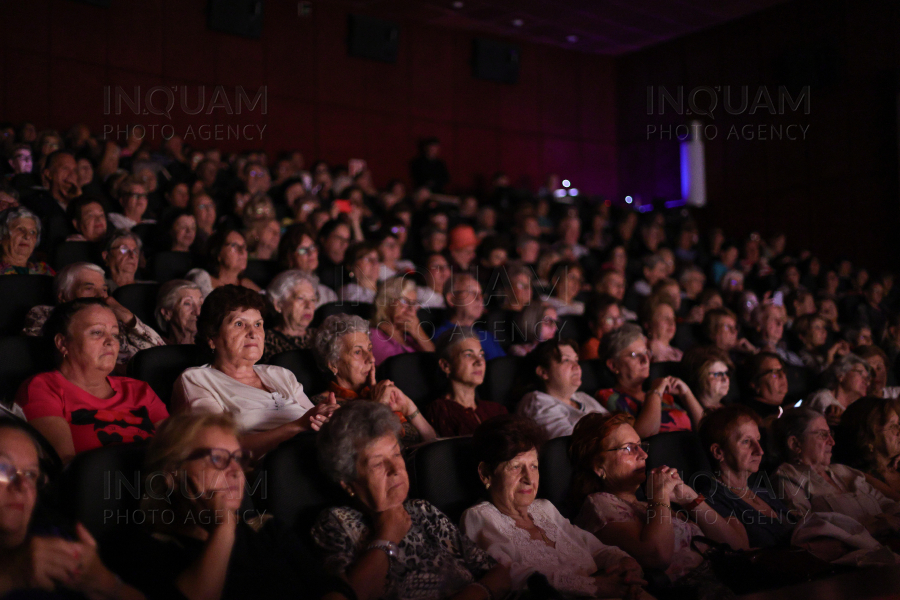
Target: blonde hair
[
  {"x": 389, "y": 291},
  {"x": 174, "y": 441}
]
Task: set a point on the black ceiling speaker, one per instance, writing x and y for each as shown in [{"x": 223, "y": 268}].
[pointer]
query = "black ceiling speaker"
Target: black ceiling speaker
[
  {"x": 372, "y": 38},
  {"x": 495, "y": 61},
  {"x": 237, "y": 17}
]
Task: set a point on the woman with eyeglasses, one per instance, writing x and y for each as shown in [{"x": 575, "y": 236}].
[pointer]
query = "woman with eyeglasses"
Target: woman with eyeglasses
[
  {"x": 298, "y": 251},
  {"x": 396, "y": 328},
  {"x": 604, "y": 315},
  {"x": 267, "y": 402},
  {"x": 557, "y": 405},
  {"x": 35, "y": 558},
  {"x": 849, "y": 381},
  {"x": 292, "y": 295},
  {"x": 708, "y": 375},
  {"x": 537, "y": 323},
  {"x": 361, "y": 264},
  {"x": 226, "y": 257},
  {"x": 808, "y": 481},
  {"x": 198, "y": 543},
  {"x": 566, "y": 280},
  {"x": 767, "y": 385},
  {"x": 437, "y": 272},
  {"x": 659, "y": 323},
  {"x": 20, "y": 233},
  {"x": 516, "y": 297},
  {"x": 626, "y": 354},
  {"x": 868, "y": 439},
  {"x": 610, "y": 463},
  {"x": 122, "y": 256}
]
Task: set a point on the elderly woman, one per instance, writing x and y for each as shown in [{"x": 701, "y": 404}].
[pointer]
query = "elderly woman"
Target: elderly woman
[
  {"x": 528, "y": 535},
  {"x": 177, "y": 309},
  {"x": 720, "y": 326},
  {"x": 437, "y": 272},
  {"x": 770, "y": 319},
  {"x": 197, "y": 542},
  {"x": 461, "y": 358},
  {"x": 566, "y": 280},
  {"x": 294, "y": 298},
  {"x": 812, "y": 331},
  {"x": 79, "y": 405},
  {"x": 604, "y": 314},
  {"x": 732, "y": 439},
  {"x": 878, "y": 361},
  {"x": 627, "y": 356},
  {"x": 20, "y": 233},
  {"x": 868, "y": 439},
  {"x": 267, "y": 402},
  {"x": 180, "y": 227},
  {"x": 659, "y": 323},
  {"x": 397, "y": 329},
  {"x": 850, "y": 377},
  {"x": 767, "y": 384},
  {"x": 709, "y": 376},
  {"x": 384, "y": 545},
  {"x": 122, "y": 256},
  {"x": 807, "y": 481},
  {"x": 344, "y": 350},
  {"x": 226, "y": 254},
  {"x": 362, "y": 266},
  {"x": 297, "y": 250},
  {"x": 32, "y": 560},
  {"x": 610, "y": 465},
  {"x": 536, "y": 323},
  {"x": 556, "y": 405},
  {"x": 86, "y": 280}
]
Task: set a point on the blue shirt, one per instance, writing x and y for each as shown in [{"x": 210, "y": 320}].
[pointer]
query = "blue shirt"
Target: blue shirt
[{"x": 490, "y": 345}]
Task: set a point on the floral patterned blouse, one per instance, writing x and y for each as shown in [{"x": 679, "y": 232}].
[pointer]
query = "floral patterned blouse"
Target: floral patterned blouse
[
  {"x": 31, "y": 268},
  {"x": 435, "y": 559},
  {"x": 602, "y": 508},
  {"x": 673, "y": 418}
]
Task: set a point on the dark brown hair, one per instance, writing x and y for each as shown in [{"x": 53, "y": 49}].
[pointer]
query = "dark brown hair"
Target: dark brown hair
[
  {"x": 220, "y": 303},
  {"x": 504, "y": 437}
]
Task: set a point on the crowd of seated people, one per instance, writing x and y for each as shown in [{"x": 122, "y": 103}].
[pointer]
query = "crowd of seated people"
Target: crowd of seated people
[{"x": 527, "y": 319}]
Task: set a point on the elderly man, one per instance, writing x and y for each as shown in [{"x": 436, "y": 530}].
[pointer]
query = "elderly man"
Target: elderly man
[
  {"x": 86, "y": 280},
  {"x": 462, "y": 293},
  {"x": 60, "y": 180}
]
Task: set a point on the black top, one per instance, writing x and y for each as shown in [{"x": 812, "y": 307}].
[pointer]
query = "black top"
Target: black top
[
  {"x": 763, "y": 531},
  {"x": 270, "y": 563}
]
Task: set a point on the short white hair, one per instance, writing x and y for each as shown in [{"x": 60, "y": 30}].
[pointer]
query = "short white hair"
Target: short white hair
[
  {"x": 64, "y": 284},
  {"x": 285, "y": 282},
  {"x": 167, "y": 298},
  {"x": 18, "y": 212}
]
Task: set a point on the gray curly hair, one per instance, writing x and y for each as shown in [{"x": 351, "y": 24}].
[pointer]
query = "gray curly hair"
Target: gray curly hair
[
  {"x": 18, "y": 212},
  {"x": 845, "y": 365},
  {"x": 329, "y": 335},
  {"x": 285, "y": 282},
  {"x": 617, "y": 340},
  {"x": 64, "y": 284},
  {"x": 348, "y": 432}
]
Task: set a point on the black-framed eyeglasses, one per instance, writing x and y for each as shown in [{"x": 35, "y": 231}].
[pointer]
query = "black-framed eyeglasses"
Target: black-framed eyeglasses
[
  {"x": 10, "y": 475},
  {"x": 631, "y": 448},
  {"x": 221, "y": 458}
]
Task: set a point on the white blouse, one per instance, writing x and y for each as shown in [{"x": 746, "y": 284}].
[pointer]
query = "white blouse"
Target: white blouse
[
  {"x": 208, "y": 390},
  {"x": 556, "y": 418},
  {"x": 568, "y": 566}
]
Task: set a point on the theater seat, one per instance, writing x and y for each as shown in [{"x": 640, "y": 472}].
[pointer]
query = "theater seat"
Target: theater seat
[
  {"x": 68, "y": 253},
  {"x": 446, "y": 474},
  {"x": 20, "y": 358},
  {"x": 432, "y": 318},
  {"x": 505, "y": 380},
  {"x": 139, "y": 298},
  {"x": 102, "y": 488},
  {"x": 416, "y": 374},
  {"x": 682, "y": 450},
  {"x": 595, "y": 376},
  {"x": 687, "y": 335},
  {"x": 302, "y": 363},
  {"x": 261, "y": 272},
  {"x": 161, "y": 366},
  {"x": 574, "y": 327},
  {"x": 361, "y": 309},
  {"x": 801, "y": 383},
  {"x": 296, "y": 490},
  {"x": 556, "y": 476},
  {"x": 18, "y": 294},
  {"x": 666, "y": 369},
  {"x": 168, "y": 265}
]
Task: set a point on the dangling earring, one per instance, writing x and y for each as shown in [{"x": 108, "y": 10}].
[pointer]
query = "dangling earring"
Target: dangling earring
[
  {"x": 351, "y": 493},
  {"x": 487, "y": 485},
  {"x": 602, "y": 476}
]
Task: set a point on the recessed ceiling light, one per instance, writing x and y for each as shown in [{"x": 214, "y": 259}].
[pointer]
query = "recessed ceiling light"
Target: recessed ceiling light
[
  {"x": 518, "y": 22},
  {"x": 458, "y": 4},
  {"x": 572, "y": 38}
]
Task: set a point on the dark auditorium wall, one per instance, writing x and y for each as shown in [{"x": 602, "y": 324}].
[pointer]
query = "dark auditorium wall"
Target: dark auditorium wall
[
  {"x": 58, "y": 56},
  {"x": 837, "y": 191}
]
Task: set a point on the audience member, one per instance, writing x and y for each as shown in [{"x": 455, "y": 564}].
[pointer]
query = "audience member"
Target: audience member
[
  {"x": 177, "y": 309},
  {"x": 20, "y": 233},
  {"x": 465, "y": 302}
]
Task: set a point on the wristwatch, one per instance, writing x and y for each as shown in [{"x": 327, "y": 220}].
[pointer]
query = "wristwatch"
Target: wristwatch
[{"x": 389, "y": 548}]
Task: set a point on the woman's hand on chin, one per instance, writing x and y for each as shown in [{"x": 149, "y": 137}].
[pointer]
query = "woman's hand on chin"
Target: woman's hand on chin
[{"x": 392, "y": 524}]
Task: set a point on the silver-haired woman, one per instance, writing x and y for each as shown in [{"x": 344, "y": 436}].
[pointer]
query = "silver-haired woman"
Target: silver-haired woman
[
  {"x": 344, "y": 350},
  {"x": 385, "y": 545},
  {"x": 20, "y": 233},
  {"x": 177, "y": 308},
  {"x": 85, "y": 280},
  {"x": 294, "y": 296},
  {"x": 123, "y": 257},
  {"x": 850, "y": 377}
]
